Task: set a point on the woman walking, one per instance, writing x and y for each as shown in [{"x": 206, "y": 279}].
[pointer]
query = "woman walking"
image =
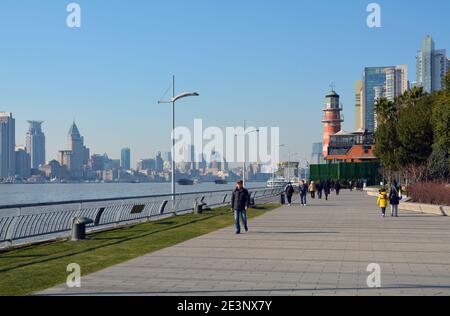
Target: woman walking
[
  {"x": 327, "y": 189},
  {"x": 289, "y": 190},
  {"x": 383, "y": 201},
  {"x": 313, "y": 189},
  {"x": 337, "y": 187},
  {"x": 394, "y": 199}
]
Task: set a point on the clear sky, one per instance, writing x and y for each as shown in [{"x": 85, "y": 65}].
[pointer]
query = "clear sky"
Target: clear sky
[{"x": 270, "y": 62}]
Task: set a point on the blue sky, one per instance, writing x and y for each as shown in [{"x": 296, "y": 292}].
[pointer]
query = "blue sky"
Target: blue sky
[{"x": 270, "y": 62}]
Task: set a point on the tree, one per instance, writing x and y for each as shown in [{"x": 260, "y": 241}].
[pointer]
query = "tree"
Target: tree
[
  {"x": 438, "y": 167},
  {"x": 415, "y": 132},
  {"x": 386, "y": 134}
]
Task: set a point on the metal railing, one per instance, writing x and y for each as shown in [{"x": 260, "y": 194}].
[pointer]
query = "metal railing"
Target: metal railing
[{"x": 29, "y": 223}]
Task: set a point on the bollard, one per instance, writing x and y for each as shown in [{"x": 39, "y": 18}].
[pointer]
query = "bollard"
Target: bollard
[
  {"x": 282, "y": 199},
  {"x": 198, "y": 206},
  {"x": 79, "y": 228}
]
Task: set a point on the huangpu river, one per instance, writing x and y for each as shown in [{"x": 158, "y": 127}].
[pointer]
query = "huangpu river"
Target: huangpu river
[{"x": 13, "y": 194}]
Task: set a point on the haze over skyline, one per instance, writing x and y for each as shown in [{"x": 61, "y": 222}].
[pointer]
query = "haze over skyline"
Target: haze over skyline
[{"x": 268, "y": 62}]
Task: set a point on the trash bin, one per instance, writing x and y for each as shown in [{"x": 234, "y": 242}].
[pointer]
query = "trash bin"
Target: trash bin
[
  {"x": 79, "y": 228},
  {"x": 282, "y": 199},
  {"x": 198, "y": 206}
]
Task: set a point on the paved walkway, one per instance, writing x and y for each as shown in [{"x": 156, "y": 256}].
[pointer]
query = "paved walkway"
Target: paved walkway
[{"x": 323, "y": 249}]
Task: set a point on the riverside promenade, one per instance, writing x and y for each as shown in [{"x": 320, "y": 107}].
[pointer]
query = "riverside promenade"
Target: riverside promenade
[{"x": 323, "y": 249}]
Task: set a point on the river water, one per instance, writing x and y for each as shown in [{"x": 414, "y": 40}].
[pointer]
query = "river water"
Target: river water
[{"x": 12, "y": 194}]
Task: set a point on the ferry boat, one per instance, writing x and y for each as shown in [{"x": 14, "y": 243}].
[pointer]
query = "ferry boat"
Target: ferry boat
[
  {"x": 185, "y": 182},
  {"x": 221, "y": 181},
  {"x": 277, "y": 182}
]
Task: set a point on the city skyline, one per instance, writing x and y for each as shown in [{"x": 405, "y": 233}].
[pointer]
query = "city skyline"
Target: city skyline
[{"x": 105, "y": 100}]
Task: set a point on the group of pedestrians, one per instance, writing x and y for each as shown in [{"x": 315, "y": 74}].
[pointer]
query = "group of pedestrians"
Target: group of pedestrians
[
  {"x": 319, "y": 189},
  {"x": 357, "y": 185},
  {"x": 393, "y": 198}
]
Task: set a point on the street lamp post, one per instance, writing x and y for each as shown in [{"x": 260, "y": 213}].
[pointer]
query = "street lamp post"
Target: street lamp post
[{"x": 173, "y": 101}]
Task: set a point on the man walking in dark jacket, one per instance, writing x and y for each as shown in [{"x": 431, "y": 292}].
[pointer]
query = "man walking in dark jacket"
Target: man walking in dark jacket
[{"x": 240, "y": 201}]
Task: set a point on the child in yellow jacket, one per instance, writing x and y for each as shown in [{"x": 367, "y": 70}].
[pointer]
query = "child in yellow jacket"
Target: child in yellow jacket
[{"x": 383, "y": 201}]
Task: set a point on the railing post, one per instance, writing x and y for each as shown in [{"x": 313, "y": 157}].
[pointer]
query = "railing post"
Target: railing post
[
  {"x": 12, "y": 229},
  {"x": 119, "y": 213}
]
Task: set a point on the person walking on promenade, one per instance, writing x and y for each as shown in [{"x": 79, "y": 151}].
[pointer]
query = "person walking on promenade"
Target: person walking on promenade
[
  {"x": 337, "y": 187},
  {"x": 303, "y": 190},
  {"x": 313, "y": 189},
  {"x": 351, "y": 185},
  {"x": 240, "y": 201},
  {"x": 332, "y": 185},
  {"x": 383, "y": 201},
  {"x": 289, "y": 190},
  {"x": 394, "y": 199},
  {"x": 327, "y": 189},
  {"x": 319, "y": 190}
]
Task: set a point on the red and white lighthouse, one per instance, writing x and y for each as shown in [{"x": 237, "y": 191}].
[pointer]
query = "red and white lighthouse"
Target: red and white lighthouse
[{"x": 331, "y": 120}]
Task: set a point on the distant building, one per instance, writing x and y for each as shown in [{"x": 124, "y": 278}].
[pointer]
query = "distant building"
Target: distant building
[
  {"x": 358, "y": 146},
  {"x": 317, "y": 154},
  {"x": 23, "y": 162},
  {"x": 359, "y": 104},
  {"x": 125, "y": 159},
  {"x": 146, "y": 164},
  {"x": 77, "y": 155},
  {"x": 431, "y": 66},
  {"x": 159, "y": 162},
  {"x": 332, "y": 119},
  {"x": 397, "y": 82},
  {"x": 373, "y": 79},
  {"x": 35, "y": 144},
  {"x": 53, "y": 170},
  {"x": 7, "y": 145}
]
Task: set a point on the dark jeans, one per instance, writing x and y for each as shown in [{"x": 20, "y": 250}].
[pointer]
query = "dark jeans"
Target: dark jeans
[
  {"x": 303, "y": 199},
  {"x": 319, "y": 194},
  {"x": 240, "y": 214},
  {"x": 313, "y": 195},
  {"x": 289, "y": 198}
]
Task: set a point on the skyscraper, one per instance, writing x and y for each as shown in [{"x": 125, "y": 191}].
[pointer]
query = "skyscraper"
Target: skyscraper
[
  {"x": 23, "y": 162},
  {"x": 35, "y": 144},
  {"x": 125, "y": 159},
  {"x": 76, "y": 157},
  {"x": 7, "y": 145},
  {"x": 76, "y": 146},
  {"x": 359, "y": 104},
  {"x": 396, "y": 82},
  {"x": 431, "y": 66},
  {"x": 372, "y": 77}
]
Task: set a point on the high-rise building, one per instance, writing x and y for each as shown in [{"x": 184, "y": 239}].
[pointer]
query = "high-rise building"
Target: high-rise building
[
  {"x": 317, "y": 154},
  {"x": 396, "y": 82},
  {"x": 359, "y": 104},
  {"x": 35, "y": 144},
  {"x": 7, "y": 145},
  {"x": 125, "y": 159},
  {"x": 431, "y": 66},
  {"x": 77, "y": 155},
  {"x": 373, "y": 77},
  {"x": 159, "y": 162},
  {"x": 332, "y": 119},
  {"x": 23, "y": 162}
]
